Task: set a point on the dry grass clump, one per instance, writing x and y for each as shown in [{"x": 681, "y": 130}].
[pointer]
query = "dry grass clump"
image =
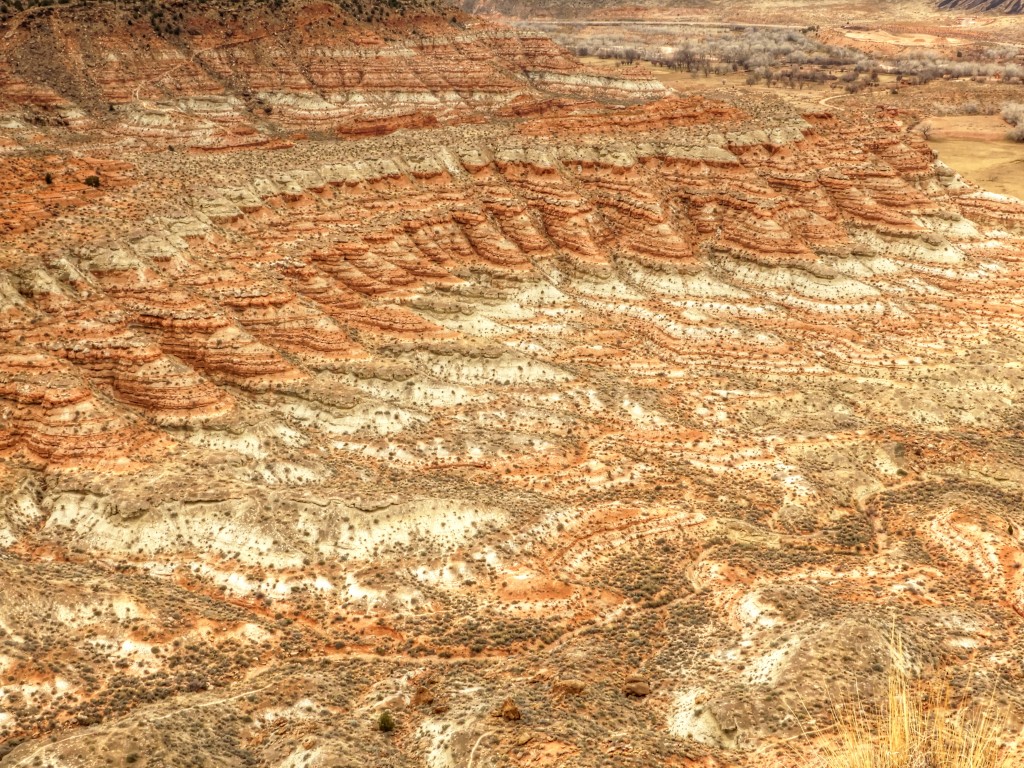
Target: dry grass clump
[{"x": 916, "y": 727}]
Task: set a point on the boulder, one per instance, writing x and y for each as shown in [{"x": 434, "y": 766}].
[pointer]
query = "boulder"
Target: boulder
[
  {"x": 568, "y": 687},
  {"x": 636, "y": 685},
  {"x": 422, "y": 696},
  {"x": 509, "y": 711}
]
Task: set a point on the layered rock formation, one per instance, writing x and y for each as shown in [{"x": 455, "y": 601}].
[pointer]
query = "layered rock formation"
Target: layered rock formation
[
  {"x": 650, "y": 416},
  {"x": 212, "y": 77},
  {"x": 983, "y": 6}
]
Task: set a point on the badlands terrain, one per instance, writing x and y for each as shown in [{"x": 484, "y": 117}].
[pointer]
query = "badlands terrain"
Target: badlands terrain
[{"x": 360, "y": 358}]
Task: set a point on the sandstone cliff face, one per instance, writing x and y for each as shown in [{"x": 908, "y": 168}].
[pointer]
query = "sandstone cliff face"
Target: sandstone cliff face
[{"x": 566, "y": 385}]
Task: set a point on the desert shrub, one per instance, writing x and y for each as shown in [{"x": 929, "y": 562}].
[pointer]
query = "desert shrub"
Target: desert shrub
[
  {"x": 93, "y": 181},
  {"x": 48, "y": 178},
  {"x": 1016, "y": 134},
  {"x": 1013, "y": 113},
  {"x": 386, "y": 722}
]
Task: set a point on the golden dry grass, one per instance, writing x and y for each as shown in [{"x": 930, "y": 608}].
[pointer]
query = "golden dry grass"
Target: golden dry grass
[{"x": 916, "y": 726}]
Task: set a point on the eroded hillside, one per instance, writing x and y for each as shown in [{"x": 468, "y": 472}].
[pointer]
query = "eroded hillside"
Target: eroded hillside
[
  {"x": 241, "y": 78},
  {"x": 652, "y": 415}
]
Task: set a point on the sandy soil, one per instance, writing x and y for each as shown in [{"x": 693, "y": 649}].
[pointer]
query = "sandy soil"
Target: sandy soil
[
  {"x": 682, "y": 81},
  {"x": 975, "y": 146},
  {"x": 907, "y": 40},
  {"x": 976, "y": 128},
  {"x": 685, "y": 82}
]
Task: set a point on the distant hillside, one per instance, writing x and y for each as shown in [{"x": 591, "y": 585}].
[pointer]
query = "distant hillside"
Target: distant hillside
[
  {"x": 983, "y": 6},
  {"x": 573, "y": 9},
  {"x": 577, "y": 8},
  {"x": 167, "y": 15},
  {"x": 225, "y": 74}
]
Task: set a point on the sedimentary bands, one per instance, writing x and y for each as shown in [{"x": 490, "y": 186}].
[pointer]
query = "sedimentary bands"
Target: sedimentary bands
[
  {"x": 227, "y": 78},
  {"x": 418, "y": 368}
]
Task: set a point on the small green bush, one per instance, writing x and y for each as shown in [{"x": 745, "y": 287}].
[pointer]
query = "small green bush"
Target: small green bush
[
  {"x": 386, "y": 722},
  {"x": 93, "y": 181}
]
